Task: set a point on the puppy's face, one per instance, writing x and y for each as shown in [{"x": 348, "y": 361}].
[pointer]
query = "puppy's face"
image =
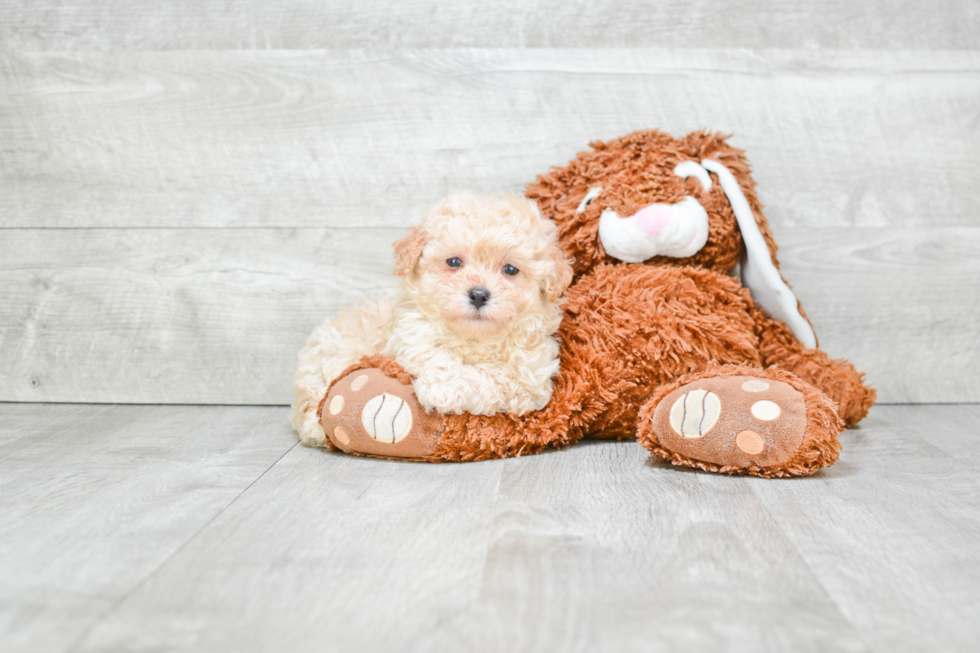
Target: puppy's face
[
  {"x": 478, "y": 281},
  {"x": 479, "y": 264}
]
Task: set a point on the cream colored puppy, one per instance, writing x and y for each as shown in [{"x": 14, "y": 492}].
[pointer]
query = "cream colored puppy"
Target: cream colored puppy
[{"x": 474, "y": 322}]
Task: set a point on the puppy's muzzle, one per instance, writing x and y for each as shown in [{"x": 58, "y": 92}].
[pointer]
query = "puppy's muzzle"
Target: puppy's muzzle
[{"x": 479, "y": 297}]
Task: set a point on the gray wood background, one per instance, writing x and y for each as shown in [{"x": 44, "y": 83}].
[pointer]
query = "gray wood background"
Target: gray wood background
[{"x": 187, "y": 188}]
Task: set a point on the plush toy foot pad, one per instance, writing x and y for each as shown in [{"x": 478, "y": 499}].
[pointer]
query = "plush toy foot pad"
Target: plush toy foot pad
[
  {"x": 370, "y": 413},
  {"x": 735, "y": 422}
]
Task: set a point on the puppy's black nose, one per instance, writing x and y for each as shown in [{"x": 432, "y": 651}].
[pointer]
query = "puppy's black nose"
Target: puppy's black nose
[{"x": 479, "y": 297}]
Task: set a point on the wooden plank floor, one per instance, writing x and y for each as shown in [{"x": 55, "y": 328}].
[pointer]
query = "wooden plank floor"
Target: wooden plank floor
[{"x": 171, "y": 528}]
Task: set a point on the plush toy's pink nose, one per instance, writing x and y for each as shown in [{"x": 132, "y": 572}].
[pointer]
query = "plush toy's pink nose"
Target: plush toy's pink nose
[{"x": 653, "y": 219}]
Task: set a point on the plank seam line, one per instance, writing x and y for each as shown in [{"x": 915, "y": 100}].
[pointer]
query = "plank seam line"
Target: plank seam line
[
  {"x": 125, "y": 597},
  {"x": 806, "y": 564},
  {"x": 467, "y": 608}
]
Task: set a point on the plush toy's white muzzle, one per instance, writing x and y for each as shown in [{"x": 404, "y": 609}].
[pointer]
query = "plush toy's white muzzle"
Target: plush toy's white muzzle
[
  {"x": 681, "y": 230},
  {"x": 676, "y": 230}
]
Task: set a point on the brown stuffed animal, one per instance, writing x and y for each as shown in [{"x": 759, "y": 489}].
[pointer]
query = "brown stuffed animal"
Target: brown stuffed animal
[{"x": 658, "y": 341}]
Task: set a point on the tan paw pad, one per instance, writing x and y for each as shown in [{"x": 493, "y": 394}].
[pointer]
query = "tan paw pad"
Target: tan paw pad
[
  {"x": 737, "y": 421},
  {"x": 755, "y": 385},
  {"x": 341, "y": 434},
  {"x": 370, "y": 413},
  {"x": 359, "y": 382}
]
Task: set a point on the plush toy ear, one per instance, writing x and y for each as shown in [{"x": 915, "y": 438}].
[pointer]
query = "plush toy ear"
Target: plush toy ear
[
  {"x": 408, "y": 250},
  {"x": 715, "y": 146},
  {"x": 760, "y": 273}
]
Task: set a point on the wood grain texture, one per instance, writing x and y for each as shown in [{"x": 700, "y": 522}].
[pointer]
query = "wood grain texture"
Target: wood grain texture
[
  {"x": 174, "y": 316},
  {"x": 97, "y": 498},
  {"x": 900, "y": 303},
  {"x": 251, "y": 24},
  {"x": 218, "y": 316},
  {"x": 595, "y": 548},
  {"x": 905, "y": 493},
  {"x": 356, "y": 138},
  {"x": 344, "y": 554},
  {"x": 598, "y": 549}
]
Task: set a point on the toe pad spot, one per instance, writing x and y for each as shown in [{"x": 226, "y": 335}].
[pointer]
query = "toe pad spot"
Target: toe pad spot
[
  {"x": 755, "y": 385},
  {"x": 359, "y": 382},
  {"x": 749, "y": 442},
  {"x": 765, "y": 410},
  {"x": 387, "y": 418},
  {"x": 341, "y": 435}
]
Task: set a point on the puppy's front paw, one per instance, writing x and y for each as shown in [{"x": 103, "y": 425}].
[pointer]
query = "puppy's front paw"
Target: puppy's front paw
[
  {"x": 444, "y": 397},
  {"x": 464, "y": 391},
  {"x": 368, "y": 413}
]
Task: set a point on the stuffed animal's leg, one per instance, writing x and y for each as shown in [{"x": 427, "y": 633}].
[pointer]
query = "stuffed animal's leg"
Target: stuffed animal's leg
[
  {"x": 561, "y": 422},
  {"x": 742, "y": 420},
  {"x": 837, "y": 378},
  {"x": 371, "y": 410}
]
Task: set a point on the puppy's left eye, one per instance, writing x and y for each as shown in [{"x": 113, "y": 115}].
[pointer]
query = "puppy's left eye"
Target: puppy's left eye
[
  {"x": 511, "y": 270},
  {"x": 454, "y": 262}
]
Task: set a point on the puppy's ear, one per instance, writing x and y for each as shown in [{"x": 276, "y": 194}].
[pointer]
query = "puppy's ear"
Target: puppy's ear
[
  {"x": 408, "y": 250},
  {"x": 560, "y": 277},
  {"x": 559, "y": 274}
]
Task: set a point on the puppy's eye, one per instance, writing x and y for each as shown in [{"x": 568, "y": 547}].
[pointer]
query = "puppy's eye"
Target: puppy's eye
[
  {"x": 511, "y": 270},
  {"x": 454, "y": 262}
]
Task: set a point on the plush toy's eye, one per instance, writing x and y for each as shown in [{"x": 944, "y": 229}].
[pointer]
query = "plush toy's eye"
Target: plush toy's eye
[
  {"x": 591, "y": 195},
  {"x": 454, "y": 262},
  {"x": 510, "y": 269}
]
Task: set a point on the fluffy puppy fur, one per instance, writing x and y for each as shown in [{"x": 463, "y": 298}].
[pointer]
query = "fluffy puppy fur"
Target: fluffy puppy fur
[{"x": 489, "y": 352}]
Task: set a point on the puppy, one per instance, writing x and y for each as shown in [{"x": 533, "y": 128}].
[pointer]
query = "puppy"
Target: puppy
[{"x": 474, "y": 321}]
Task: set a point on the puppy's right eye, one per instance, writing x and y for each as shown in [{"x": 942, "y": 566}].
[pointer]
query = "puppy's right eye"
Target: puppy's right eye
[{"x": 454, "y": 262}]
